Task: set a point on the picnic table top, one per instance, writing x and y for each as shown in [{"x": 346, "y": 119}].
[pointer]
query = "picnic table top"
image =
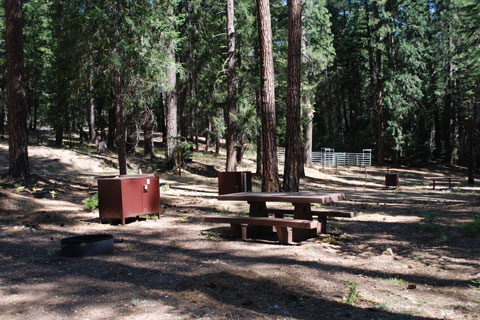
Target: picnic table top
[
  {"x": 442, "y": 178},
  {"x": 293, "y": 197}
]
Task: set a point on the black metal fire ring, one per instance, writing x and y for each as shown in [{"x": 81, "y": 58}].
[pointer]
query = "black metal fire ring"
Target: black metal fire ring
[{"x": 86, "y": 245}]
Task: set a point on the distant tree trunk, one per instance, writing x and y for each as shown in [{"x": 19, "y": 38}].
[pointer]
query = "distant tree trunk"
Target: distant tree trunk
[
  {"x": 91, "y": 109},
  {"x": 171, "y": 108},
  {"x": 270, "y": 182},
  {"x": 112, "y": 120},
  {"x": 448, "y": 115},
  {"x": 375, "y": 61},
  {"x": 133, "y": 135},
  {"x": 230, "y": 109},
  {"x": 2, "y": 114},
  {"x": 291, "y": 176},
  {"x": 60, "y": 108},
  {"x": 307, "y": 111},
  {"x": 36, "y": 104},
  {"x": 259, "y": 135},
  {"x": 208, "y": 134},
  {"x": 17, "y": 107},
  {"x": 308, "y": 133},
  {"x": 171, "y": 101},
  {"x": 120, "y": 129},
  {"x": 148, "y": 126},
  {"x": 470, "y": 153}
]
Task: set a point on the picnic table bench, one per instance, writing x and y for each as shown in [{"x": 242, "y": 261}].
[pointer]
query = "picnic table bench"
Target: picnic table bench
[
  {"x": 282, "y": 226},
  {"x": 301, "y": 227},
  {"x": 443, "y": 180}
]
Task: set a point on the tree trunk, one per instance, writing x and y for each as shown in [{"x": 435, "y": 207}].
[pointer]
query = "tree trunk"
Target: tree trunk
[
  {"x": 133, "y": 135},
  {"x": 307, "y": 111},
  {"x": 2, "y": 114},
  {"x": 208, "y": 133},
  {"x": 259, "y": 134},
  {"x": 120, "y": 127},
  {"x": 308, "y": 132},
  {"x": 60, "y": 107},
  {"x": 171, "y": 108},
  {"x": 270, "y": 182},
  {"x": 112, "y": 120},
  {"x": 375, "y": 60},
  {"x": 291, "y": 177},
  {"x": 148, "y": 123},
  {"x": 230, "y": 109},
  {"x": 17, "y": 107},
  {"x": 470, "y": 153},
  {"x": 91, "y": 109}
]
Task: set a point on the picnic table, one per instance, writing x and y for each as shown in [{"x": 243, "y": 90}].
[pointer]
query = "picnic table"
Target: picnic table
[
  {"x": 443, "y": 180},
  {"x": 301, "y": 227}
]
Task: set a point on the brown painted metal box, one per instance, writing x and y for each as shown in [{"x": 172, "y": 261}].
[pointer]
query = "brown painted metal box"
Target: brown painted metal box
[
  {"x": 391, "y": 180},
  {"x": 231, "y": 182},
  {"x": 120, "y": 197}
]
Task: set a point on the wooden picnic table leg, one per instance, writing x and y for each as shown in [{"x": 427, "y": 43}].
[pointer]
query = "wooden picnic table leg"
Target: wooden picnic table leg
[
  {"x": 449, "y": 183},
  {"x": 258, "y": 209},
  {"x": 303, "y": 211}
]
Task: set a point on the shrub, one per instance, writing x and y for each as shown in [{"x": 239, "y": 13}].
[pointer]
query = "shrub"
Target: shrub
[{"x": 91, "y": 203}]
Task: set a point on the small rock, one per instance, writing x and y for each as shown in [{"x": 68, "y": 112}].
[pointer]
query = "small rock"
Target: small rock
[
  {"x": 410, "y": 266},
  {"x": 411, "y": 286},
  {"x": 389, "y": 251}
]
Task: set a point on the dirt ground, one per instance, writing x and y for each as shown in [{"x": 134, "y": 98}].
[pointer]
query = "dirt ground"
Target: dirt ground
[{"x": 407, "y": 255}]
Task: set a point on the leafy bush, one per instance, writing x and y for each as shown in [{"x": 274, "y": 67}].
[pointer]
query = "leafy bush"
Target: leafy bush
[
  {"x": 19, "y": 188},
  {"x": 352, "y": 295},
  {"x": 186, "y": 147},
  {"x": 91, "y": 203}
]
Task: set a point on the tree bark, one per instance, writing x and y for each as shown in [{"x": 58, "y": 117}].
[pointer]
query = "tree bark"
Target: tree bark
[
  {"x": 2, "y": 114},
  {"x": 270, "y": 182},
  {"x": 17, "y": 107},
  {"x": 120, "y": 136},
  {"x": 376, "y": 85},
  {"x": 171, "y": 107},
  {"x": 308, "y": 133},
  {"x": 259, "y": 134},
  {"x": 148, "y": 126},
  {"x": 133, "y": 135},
  {"x": 291, "y": 177},
  {"x": 91, "y": 108},
  {"x": 470, "y": 143},
  {"x": 112, "y": 120},
  {"x": 230, "y": 109},
  {"x": 60, "y": 108}
]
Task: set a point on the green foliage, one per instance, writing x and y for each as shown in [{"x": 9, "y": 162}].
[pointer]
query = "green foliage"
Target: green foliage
[
  {"x": 91, "y": 203},
  {"x": 353, "y": 293},
  {"x": 396, "y": 281},
  {"x": 241, "y": 213},
  {"x": 476, "y": 286},
  {"x": 224, "y": 212},
  {"x": 19, "y": 188},
  {"x": 164, "y": 187},
  {"x": 186, "y": 149},
  {"x": 211, "y": 235},
  {"x": 330, "y": 240}
]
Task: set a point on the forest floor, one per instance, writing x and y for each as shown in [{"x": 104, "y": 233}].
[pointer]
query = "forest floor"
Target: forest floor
[{"x": 411, "y": 254}]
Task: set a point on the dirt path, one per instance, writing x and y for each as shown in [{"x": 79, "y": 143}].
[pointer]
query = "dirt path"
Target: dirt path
[{"x": 407, "y": 255}]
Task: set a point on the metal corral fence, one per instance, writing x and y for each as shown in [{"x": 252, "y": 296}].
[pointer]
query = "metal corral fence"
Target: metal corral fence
[{"x": 329, "y": 158}]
